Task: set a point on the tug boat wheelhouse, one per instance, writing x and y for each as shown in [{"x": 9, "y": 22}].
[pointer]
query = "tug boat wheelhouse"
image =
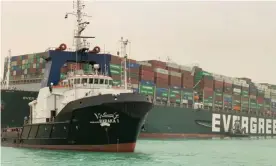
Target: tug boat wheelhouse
[{"x": 83, "y": 113}]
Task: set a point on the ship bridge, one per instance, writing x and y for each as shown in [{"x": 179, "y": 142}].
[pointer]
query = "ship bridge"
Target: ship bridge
[{"x": 56, "y": 59}]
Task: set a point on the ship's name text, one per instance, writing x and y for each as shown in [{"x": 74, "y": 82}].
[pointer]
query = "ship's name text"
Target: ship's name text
[{"x": 252, "y": 125}]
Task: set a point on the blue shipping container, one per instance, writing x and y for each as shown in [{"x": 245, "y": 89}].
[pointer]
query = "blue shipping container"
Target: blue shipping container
[
  {"x": 133, "y": 65},
  {"x": 13, "y": 58},
  {"x": 150, "y": 83},
  {"x": 161, "y": 91}
]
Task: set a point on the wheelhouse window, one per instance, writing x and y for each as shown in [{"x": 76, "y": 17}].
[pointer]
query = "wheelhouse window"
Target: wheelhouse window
[
  {"x": 84, "y": 80},
  {"x": 101, "y": 81},
  {"x": 106, "y": 82},
  {"x": 96, "y": 81},
  {"x": 110, "y": 82},
  {"x": 90, "y": 80},
  {"x": 77, "y": 81}
]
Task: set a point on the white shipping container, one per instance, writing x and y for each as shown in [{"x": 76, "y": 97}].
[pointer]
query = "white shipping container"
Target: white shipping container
[
  {"x": 236, "y": 90},
  {"x": 25, "y": 71},
  {"x": 176, "y": 74},
  {"x": 185, "y": 68},
  {"x": 23, "y": 61},
  {"x": 144, "y": 63},
  {"x": 245, "y": 85},
  {"x": 243, "y": 82},
  {"x": 34, "y": 65},
  {"x": 260, "y": 87},
  {"x": 14, "y": 72},
  {"x": 41, "y": 60},
  {"x": 273, "y": 91},
  {"x": 162, "y": 71},
  {"x": 218, "y": 77},
  {"x": 135, "y": 86},
  {"x": 236, "y": 82},
  {"x": 42, "y": 70},
  {"x": 173, "y": 65},
  {"x": 228, "y": 80},
  {"x": 22, "y": 76},
  {"x": 267, "y": 94}
]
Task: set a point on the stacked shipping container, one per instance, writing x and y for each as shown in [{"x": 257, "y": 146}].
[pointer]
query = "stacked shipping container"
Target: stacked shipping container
[
  {"x": 236, "y": 97},
  {"x": 116, "y": 70},
  {"x": 27, "y": 66},
  {"x": 227, "y": 94},
  {"x": 167, "y": 81},
  {"x": 260, "y": 98},
  {"x": 187, "y": 77},
  {"x": 133, "y": 70},
  {"x": 161, "y": 80},
  {"x": 273, "y": 100},
  {"x": 253, "y": 97},
  {"x": 174, "y": 83},
  {"x": 245, "y": 97},
  {"x": 218, "y": 88}
]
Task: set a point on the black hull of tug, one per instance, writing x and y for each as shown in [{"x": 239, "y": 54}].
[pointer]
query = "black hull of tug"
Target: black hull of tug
[{"x": 79, "y": 126}]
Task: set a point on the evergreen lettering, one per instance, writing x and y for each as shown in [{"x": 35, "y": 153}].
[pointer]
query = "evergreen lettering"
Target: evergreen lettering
[{"x": 223, "y": 123}]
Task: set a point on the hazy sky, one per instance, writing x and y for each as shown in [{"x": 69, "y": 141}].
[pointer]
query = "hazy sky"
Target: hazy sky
[{"x": 237, "y": 39}]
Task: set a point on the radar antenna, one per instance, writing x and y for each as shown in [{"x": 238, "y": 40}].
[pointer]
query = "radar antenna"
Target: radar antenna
[{"x": 80, "y": 41}]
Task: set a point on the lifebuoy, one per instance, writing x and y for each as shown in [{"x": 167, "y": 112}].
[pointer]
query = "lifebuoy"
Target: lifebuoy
[
  {"x": 95, "y": 50},
  {"x": 62, "y": 46}
]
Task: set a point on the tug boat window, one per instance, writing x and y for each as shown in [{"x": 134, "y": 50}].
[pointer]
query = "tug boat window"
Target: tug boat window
[
  {"x": 96, "y": 81},
  {"x": 101, "y": 81},
  {"x": 110, "y": 82},
  {"x": 77, "y": 81},
  {"x": 90, "y": 80},
  {"x": 106, "y": 82},
  {"x": 84, "y": 80}
]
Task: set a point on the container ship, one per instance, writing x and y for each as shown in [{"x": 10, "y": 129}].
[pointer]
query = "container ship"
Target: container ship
[{"x": 189, "y": 102}]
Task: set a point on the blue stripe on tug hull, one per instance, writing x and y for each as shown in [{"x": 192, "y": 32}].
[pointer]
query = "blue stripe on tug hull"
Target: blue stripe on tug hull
[{"x": 56, "y": 59}]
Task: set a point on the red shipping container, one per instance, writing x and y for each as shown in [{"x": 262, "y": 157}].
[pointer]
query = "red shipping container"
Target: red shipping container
[
  {"x": 206, "y": 83},
  {"x": 131, "y": 70},
  {"x": 207, "y": 89},
  {"x": 145, "y": 68},
  {"x": 218, "y": 84},
  {"x": 115, "y": 59},
  {"x": 157, "y": 64},
  {"x": 260, "y": 100},
  {"x": 160, "y": 75},
  {"x": 146, "y": 78},
  {"x": 161, "y": 85},
  {"x": 32, "y": 70},
  {"x": 172, "y": 69},
  {"x": 116, "y": 77},
  {"x": 174, "y": 81},
  {"x": 131, "y": 61},
  {"x": 133, "y": 81},
  {"x": 147, "y": 73}
]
